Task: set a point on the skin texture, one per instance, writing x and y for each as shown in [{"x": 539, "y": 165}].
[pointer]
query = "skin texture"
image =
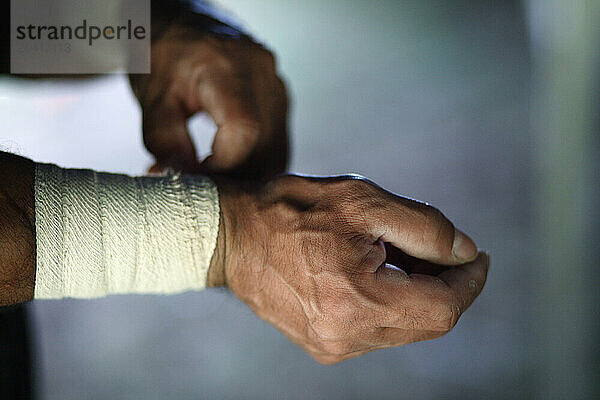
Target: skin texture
[
  {"x": 308, "y": 255},
  {"x": 17, "y": 229},
  {"x": 235, "y": 81}
]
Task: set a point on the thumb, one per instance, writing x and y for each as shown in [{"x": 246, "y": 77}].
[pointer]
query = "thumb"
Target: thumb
[
  {"x": 233, "y": 145},
  {"x": 164, "y": 127},
  {"x": 422, "y": 231}
]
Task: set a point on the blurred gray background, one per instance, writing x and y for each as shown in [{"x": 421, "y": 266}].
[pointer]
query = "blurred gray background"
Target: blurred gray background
[{"x": 486, "y": 109}]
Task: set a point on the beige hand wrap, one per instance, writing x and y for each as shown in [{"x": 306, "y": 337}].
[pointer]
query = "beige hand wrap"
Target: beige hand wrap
[{"x": 100, "y": 233}]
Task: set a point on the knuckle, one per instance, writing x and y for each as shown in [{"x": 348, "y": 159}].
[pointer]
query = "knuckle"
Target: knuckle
[
  {"x": 263, "y": 57},
  {"x": 268, "y": 58},
  {"x": 199, "y": 70},
  {"x": 221, "y": 63},
  {"x": 474, "y": 287},
  {"x": 357, "y": 182},
  {"x": 355, "y": 197},
  {"x": 450, "y": 316}
]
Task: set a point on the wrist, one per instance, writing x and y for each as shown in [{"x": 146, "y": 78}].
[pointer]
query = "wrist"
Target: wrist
[
  {"x": 217, "y": 274},
  {"x": 235, "y": 203},
  {"x": 216, "y": 270}
]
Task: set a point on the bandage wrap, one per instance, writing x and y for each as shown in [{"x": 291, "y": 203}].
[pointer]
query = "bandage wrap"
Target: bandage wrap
[{"x": 100, "y": 233}]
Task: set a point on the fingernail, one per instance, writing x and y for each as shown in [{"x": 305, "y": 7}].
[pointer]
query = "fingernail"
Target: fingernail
[{"x": 463, "y": 247}]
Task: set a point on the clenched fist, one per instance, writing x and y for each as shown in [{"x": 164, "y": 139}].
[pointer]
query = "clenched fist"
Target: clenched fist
[{"x": 343, "y": 267}]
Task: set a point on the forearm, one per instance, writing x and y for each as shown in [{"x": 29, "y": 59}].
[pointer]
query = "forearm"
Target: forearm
[
  {"x": 79, "y": 233},
  {"x": 309, "y": 255},
  {"x": 17, "y": 229}
]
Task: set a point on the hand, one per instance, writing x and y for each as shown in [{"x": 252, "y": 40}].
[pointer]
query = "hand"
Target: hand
[
  {"x": 315, "y": 257},
  {"x": 235, "y": 82}
]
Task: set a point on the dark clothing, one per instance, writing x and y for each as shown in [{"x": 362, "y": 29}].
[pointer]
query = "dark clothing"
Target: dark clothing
[{"x": 15, "y": 356}]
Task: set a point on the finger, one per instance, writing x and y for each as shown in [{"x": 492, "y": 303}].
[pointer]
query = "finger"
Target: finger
[
  {"x": 421, "y": 231},
  {"x": 166, "y": 136},
  {"x": 435, "y": 303},
  {"x": 271, "y": 154},
  {"x": 466, "y": 281},
  {"x": 393, "y": 337},
  {"x": 229, "y": 101},
  {"x": 382, "y": 338}
]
